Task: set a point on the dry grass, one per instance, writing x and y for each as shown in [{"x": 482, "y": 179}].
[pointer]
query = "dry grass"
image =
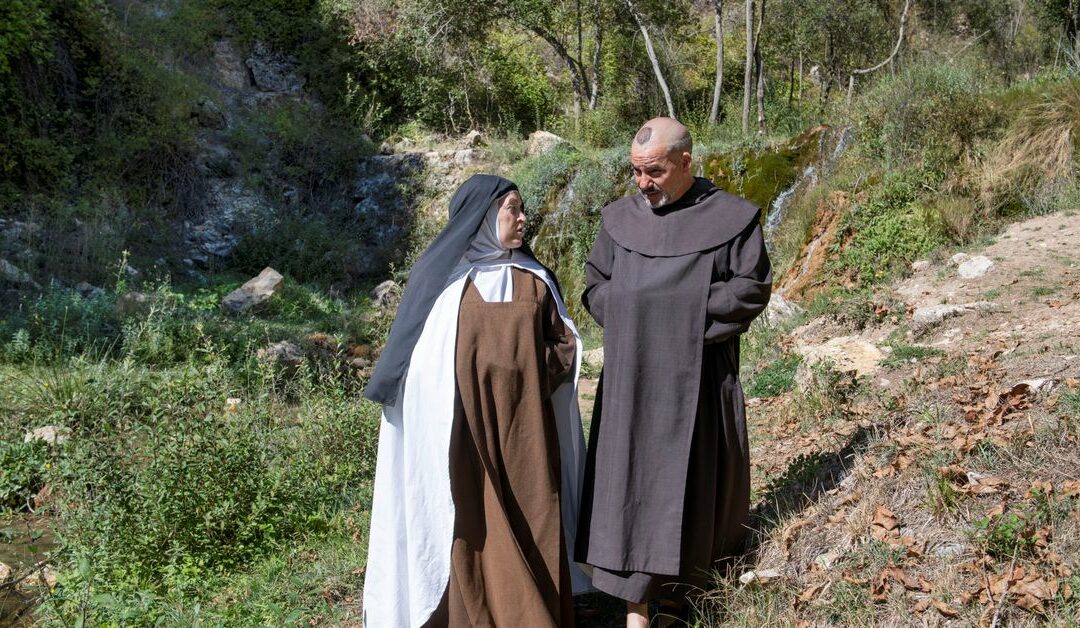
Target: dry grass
[{"x": 1036, "y": 154}]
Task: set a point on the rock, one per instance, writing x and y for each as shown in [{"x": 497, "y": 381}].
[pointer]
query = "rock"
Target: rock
[
  {"x": 88, "y": 291},
  {"x": 283, "y": 352},
  {"x": 130, "y": 271},
  {"x": 5, "y": 572},
  {"x": 472, "y": 139},
  {"x": 828, "y": 559},
  {"x": 230, "y": 68},
  {"x": 256, "y": 291},
  {"x": 45, "y": 576},
  {"x": 975, "y": 267},
  {"x": 959, "y": 258},
  {"x": 218, "y": 161},
  {"x": 781, "y": 309},
  {"x": 51, "y": 434},
  {"x": 950, "y": 550},
  {"x": 386, "y": 294},
  {"x": 273, "y": 72},
  {"x": 845, "y": 353},
  {"x": 232, "y": 405},
  {"x": 543, "y": 142},
  {"x": 132, "y": 303},
  {"x": 926, "y": 317},
  {"x": 208, "y": 115},
  {"x": 920, "y": 265},
  {"x": 934, "y": 314},
  {"x": 762, "y": 576},
  {"x": 13, "y": 274},
  {"x": 594, "y": 359},
  {"x": 41, "y": 497}
]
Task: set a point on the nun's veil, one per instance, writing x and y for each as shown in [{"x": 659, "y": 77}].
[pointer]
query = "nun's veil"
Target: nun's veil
[{"x": 428, "y": 279}]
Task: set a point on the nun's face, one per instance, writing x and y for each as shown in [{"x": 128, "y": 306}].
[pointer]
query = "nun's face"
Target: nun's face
[{"x": 511, "y": 221}]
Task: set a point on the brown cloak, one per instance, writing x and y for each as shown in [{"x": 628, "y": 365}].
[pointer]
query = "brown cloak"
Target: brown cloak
[{"x": 667, "y": 477}]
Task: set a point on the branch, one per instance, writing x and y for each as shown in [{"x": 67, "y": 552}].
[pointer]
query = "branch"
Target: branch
[{"x": 896, "y": 48}]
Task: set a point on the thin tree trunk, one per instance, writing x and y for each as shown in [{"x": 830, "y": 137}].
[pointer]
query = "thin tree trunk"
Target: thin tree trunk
[
  {"x": 652, "y": 56},
  {"x": 760, "y": 63},
  {"x": 748, "y": 73},
  {"x": 892, "y": 55},
  {"x": 714, "y": 113},
  {"x": 791, "y": 83},
  {"x": 598, "y": 49},
  {"x": 800, "y": 77}
]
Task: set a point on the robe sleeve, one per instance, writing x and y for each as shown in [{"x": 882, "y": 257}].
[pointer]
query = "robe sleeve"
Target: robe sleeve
[
  {"x": 743, "y": 288},
  {"x": 559, "y": 348},
  {"x": 597, "y": 275}
]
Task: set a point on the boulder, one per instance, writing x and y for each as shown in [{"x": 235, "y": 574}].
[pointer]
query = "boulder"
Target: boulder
[
  {"x": 256, "y": 291},
  {"x": 933, "y": 314},
  {"x": 13, "y": 274},
  {"x": 208, "y": 115},
  {"x": 543, "y": 142},
  {"x": 45, "y": 576},
  {"x": 386, "y": 294},
  {"x": 273, "y": 72},
  {"x": 284, "y": 353},
  {"x": 974, "y": 267},
  {"x": 959, "y": 258},
  {"x": 88, "y": 291},
  {"x": 781, "y": 309},
  {"x": 920, "y": 265},
  {"x": 846, "y": 354},
  {"x": 472, "y": 139},
  {"x": 50, "y": 434},
  {"x": 594, "y": 359},
  {"x": 230, "y": 69},
  {"x": 5, "y": 572}
]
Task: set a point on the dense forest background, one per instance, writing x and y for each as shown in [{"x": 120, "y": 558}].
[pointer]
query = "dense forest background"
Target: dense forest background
[{"x": 167, "y": 458}]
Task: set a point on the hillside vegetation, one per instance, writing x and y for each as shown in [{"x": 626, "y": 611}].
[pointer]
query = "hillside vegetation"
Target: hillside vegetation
[{"x": 209, "y": 467}]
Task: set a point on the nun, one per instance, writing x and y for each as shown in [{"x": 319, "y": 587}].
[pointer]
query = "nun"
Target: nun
[{"x": 481, "y": 449}]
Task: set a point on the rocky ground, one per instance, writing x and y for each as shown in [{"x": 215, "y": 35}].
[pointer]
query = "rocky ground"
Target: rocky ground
[{"x": 923, "y": 469}]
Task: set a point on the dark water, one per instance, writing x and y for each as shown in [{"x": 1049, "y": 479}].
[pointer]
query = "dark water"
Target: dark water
[{"x": 24, "y": 542}]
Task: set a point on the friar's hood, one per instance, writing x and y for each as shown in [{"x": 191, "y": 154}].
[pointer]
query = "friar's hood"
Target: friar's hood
[{"x": 704, "y": 218}]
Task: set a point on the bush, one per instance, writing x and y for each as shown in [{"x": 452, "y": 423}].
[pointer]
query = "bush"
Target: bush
[{"x": 22, "y": 467}]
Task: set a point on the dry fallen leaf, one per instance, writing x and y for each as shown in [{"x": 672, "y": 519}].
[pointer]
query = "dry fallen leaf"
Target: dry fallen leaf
[{"x": 945, "y": 609}]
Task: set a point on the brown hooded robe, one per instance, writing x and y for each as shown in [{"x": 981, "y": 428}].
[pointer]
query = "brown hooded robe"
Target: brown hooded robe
[{"x": 667, "y": 480}]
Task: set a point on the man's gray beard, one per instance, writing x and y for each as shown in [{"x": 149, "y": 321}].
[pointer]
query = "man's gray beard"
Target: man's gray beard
[{"x": 664, "y": 200}]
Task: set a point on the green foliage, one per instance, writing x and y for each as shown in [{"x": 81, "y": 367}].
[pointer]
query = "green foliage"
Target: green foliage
[
  {"x": 902, "y": 354},
  {"x": 889, "y": 230},
  {"x": 22, "y": 468},
  {"x": 775, "y": 378}
]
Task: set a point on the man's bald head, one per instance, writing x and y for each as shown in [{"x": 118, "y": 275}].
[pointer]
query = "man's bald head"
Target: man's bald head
[
  {"x": 665, "y": 132},
  {"x": 661, "y": 161}
]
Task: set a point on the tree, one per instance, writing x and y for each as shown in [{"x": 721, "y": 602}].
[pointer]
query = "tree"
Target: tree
[
  {"x": 748, "y": 72},
  {"x": 640, "y": 21},
  {"x": 718, "y": 8},
  {"x": 760, "y": 63},
  {"x": 892, "y": 55}
]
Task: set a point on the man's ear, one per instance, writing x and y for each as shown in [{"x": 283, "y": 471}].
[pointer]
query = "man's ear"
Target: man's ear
[{"x": 687, "y": 160}]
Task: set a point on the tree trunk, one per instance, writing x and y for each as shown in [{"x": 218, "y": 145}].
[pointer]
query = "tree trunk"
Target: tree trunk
[
  {"x": 598, "y": 49},
  {"x": 760, "y": 63},
  {"x": 800, "y": 78},
  {"x": 892, "y": 55},
  {"x": 714, "y": 113},
  {"x": 748, "y": 73},
  {"x": 652, "y": 56}
]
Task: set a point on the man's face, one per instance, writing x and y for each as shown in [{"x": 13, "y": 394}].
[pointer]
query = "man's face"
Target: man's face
[{"x": 661, "y": 176}]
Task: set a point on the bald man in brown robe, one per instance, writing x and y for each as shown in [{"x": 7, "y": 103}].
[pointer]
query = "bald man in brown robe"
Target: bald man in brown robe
[{"x": 677, "y": 272}]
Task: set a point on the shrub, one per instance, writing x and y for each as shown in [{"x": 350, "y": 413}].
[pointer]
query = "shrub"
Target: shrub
[{"x": 22, "y": 467}]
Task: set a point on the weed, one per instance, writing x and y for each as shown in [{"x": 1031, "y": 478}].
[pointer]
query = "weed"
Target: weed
[
  {"x": 775, "y": 378},
  {"x": 903, "y": 354}
]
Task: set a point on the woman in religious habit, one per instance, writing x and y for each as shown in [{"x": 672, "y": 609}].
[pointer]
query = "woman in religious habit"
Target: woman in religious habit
[{"x": 481, "y": 449}]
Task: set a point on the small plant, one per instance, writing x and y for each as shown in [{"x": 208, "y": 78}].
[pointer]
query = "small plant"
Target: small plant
[
  {"x": 902, "y": 354},
  {"x": 775, "y": 378},
  {"x": 1005, "y": 535},
  {"x": 22, "y": 465}
]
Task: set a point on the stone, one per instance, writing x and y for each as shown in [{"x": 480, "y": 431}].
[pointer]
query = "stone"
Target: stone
[
  {"x": 50, "y": 434},
  {"x": 594, "y": 359},
  {"x": 975, "y": 267},
  {"x": 13, "y": 274},
  {"x": 959, "y": 258},
  {"x": 132, "y": 303},
  {"x": 5, "y": 572},
  {"x": 230, "y": 69},
  {"x": 273, "y": 72},
  {"x": 284, "y": 352},
  {"x": 232, "y": 405},
  {"x": 950, "y": 550},
  {"x": 761, "y": 576},
  {"x": 781, "y": 309},
  {"x": 919, "y": 266},
  {"x": 208, "y": 115},
  {"x": 256, "y": 291},
  {"x": 386, "y": 294},
  {"x": 845, "y": 353},
  {"x": 543, "y": 142},
  {"x": 130, "y": 271},
  {"x": 89, "y": 291},
  {"x": 1041, "y": 386},
  {"x": 472, "y": 139},
  {"x": 828, "y": 559},
  {"x": 45, "y": 576},
  {"x": 933, "y": 314}
]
